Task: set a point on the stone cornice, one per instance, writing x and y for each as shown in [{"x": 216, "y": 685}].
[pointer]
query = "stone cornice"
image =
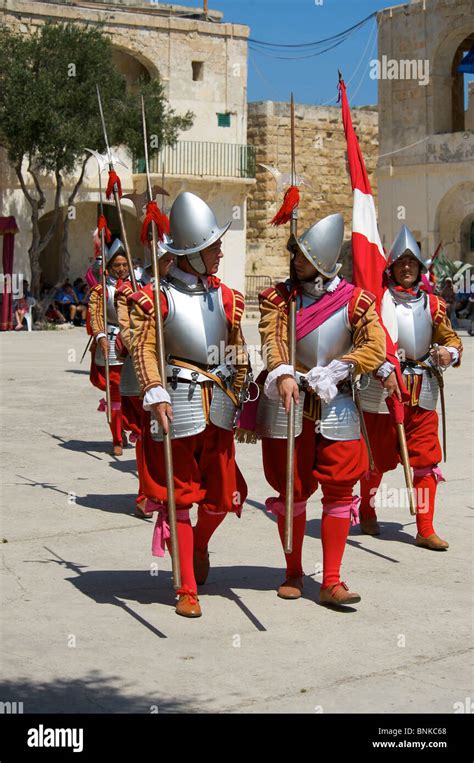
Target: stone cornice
[{"x": 117, "y": 16}]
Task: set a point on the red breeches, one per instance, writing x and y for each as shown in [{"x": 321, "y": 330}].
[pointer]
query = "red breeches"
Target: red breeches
[
  {"x": 205, "y": 470},
  {"x": 424, "y": 450}
]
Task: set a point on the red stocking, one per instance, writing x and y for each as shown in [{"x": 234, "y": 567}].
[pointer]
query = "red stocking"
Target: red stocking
[
  {"x": 334, "y": 532},
  {"x": 425, "y": 490},
  {"x": 185, "y": 545},
  {"x": 206, "y": 525},
  {"x": 368, "y": 491},
  {"x": 139, "y": 457},
  {"x": 294, "y": 567},
  {"x": 116, "y": 426}
]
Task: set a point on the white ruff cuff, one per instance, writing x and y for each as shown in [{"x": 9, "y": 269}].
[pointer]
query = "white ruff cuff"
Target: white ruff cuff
[
  {"x": 154, "y": 396},
  {"x": 270, "y": 388},
  {"x": 385, "y": 370},
  {"x": 454, "y": 354},
  {"x": 324, "y": 379}
]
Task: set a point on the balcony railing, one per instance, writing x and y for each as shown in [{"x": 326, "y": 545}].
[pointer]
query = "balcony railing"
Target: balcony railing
[{"x": 202, "y": 158}]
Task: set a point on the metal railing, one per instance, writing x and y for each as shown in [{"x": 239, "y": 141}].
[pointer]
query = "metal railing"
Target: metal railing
[
  {"x": 189, "y": 157},
  {"x": 254, "y": 285}
]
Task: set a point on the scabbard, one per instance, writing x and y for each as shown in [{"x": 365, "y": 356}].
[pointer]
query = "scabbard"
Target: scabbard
[
  {"x": 86, "y": 348},
  {"x": 406, "y": 466},
  {"x": 363, "y": 427},
  {"x": 440, "y": 380}
]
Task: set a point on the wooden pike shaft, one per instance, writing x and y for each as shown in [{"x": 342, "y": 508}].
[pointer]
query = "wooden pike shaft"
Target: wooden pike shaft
[
  {"x": 160, "y": 349},
  {"x": 106, "y": 328},
  {"x": 406, "y": 467},
  {"x": 123, "y": 234},
  {"x": 290, "y": 435},
  {"x": 160, "y": 352}
]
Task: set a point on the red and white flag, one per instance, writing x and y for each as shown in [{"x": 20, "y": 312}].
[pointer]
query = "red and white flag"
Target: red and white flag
[{"x": 368, "y": 256}]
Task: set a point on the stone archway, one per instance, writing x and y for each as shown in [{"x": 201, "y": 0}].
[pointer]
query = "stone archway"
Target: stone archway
[
  {"x": 81, "y": 246},
  {"x": 467, "y": 238},
  {"x": 132, "y": 67},
  {"x": 454, "y": 217},
  {"x": 447, "y": 85},
  {"x": 50, "y": 257}
]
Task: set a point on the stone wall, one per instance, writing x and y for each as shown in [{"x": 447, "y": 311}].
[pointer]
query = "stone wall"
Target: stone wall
[
  {"x": 426, "y": 164},
  {"x": 320, "y": 159}
]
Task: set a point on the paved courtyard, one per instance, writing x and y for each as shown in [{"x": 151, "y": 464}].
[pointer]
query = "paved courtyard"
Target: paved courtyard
[{"x": 89, "y": 622}]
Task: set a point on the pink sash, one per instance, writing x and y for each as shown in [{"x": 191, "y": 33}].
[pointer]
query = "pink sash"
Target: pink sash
[{"x": 313, "y": 316}]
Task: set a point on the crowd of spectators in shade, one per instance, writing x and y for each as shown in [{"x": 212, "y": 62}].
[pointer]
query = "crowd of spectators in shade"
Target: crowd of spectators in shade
[
  {"x": 458, "y": 304},
  {"x": 68, "y": 302}
]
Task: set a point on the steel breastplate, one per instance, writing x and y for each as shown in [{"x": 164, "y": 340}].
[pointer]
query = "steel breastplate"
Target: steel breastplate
[
  {"x": 415, "y": 326},
  {"x": 195, "y": 328},
  {"x": 329, "y": 341},
  {"x": 111, "y": 312}
]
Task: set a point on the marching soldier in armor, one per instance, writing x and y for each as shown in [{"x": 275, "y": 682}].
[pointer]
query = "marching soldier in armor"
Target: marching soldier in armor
[
  {"x": 129, "y": 387},
  {"x": 199, "y": 401},
  {"x": 117, "y": 272},
  {"x": 427, "y": 345},
  {"x": 338, "y": 336}
]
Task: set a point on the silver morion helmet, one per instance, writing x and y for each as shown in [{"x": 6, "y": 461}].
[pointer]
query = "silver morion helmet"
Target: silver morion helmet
[
  {"x": 113, "y": 251},
  {"x": 321, "y": 244},
  {"x": 193, "y": 225},
  {"x": 405, "y": 243}
]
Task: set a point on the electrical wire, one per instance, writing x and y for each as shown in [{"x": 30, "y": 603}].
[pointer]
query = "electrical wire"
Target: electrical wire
[{"x": 316, "y": 42}]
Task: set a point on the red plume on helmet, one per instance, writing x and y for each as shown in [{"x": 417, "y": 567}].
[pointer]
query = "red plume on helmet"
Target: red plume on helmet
[
  {"x": 154, "y": 214},
  {"x": 291, "y": 200}
]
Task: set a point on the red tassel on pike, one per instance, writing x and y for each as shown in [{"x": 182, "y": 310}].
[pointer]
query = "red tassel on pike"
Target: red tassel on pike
[
  {"x": 290, "y": 202},
  {"x": 154, "y": 214},
  {"x": 113, "y": 178},
  {"x": 102, "y": 224}
]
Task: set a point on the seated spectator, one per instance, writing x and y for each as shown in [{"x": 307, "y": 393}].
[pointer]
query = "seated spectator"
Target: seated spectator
[
  {"x": 82, "y": 291},
  {"x": 68, "y": 303},
  {"x": 21, "y": 306},
  {"x": 449, "y": 296},
  {"x": 53, "y": 315}
]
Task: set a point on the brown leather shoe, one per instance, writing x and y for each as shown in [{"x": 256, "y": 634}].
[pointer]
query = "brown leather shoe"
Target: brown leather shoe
[
  {"x": 433, "y": 542},
  {"x": 201, "y": 565},
  {"x": 117, "y": 450},
  {"x": 338, "y": 595},
  {"x": 188, "y": 605},
  {"x": 292, "y": 588},
  {"x": 140, "y": 509},
  {"x": 370, "y": 526}
]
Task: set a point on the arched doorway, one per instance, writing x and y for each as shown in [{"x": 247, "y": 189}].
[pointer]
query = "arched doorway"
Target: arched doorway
[
  {"x": 467, "y": 238},
  {"x": 460, "y": 84},
  {"x": 454, "y": 222},
  {"x": 80, "y": 244},
  {"x": 130, "y": 67},
  {"x": 50, "y": 257},
  {"x": 448, "y": 85}
]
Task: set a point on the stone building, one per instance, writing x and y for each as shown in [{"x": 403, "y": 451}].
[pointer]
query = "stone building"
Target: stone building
[
  {"x": 320, "y": 148},
  {"x": 426, "y": 164},
  {"x": 202, "y": 62}
]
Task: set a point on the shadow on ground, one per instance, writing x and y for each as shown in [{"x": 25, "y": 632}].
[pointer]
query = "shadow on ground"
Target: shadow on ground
[
  {"x": 93, "y": 693},
  {"x": 123, "y": 588},
  {"x": 389, "y": 531}
]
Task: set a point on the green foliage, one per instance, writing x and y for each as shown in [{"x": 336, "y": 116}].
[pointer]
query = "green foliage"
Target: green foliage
[{"x": 48, "y": 101}]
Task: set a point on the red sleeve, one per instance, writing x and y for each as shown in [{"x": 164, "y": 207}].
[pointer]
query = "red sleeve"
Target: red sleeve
[
  {"x": 228, "y": 300},
  {"x": 437, "y": 309},
  {"x": 145, "y": 300}
]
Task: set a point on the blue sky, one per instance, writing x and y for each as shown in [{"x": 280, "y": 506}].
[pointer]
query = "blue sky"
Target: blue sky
[{"x": 313, "y": 80}]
